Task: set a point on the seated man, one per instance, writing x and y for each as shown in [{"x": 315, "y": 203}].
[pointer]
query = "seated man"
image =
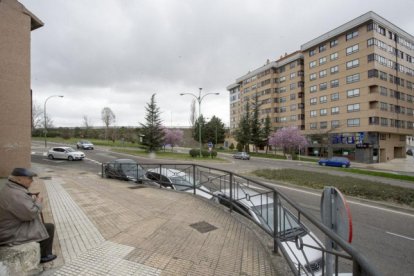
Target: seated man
[{"x": 20, "y": 213}]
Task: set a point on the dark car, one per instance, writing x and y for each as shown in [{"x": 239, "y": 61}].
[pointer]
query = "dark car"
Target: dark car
[
  {"x": 124, "y": 169},
  {"x": 241, "y": 155},
  {"x": 335, "y": 162},
  {"x": 409, "y": 152}
]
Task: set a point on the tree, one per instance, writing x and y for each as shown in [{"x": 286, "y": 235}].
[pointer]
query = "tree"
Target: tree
[
  {"x": 193, "y": 113},
  {"x": 173, "y": 137},
  {"x": 243, "y": 133},
  {"x": 267, "y": 128},
  {"x": 196, "y": 130},
  {"x": 288, "y": 138},
  {"x": 108, "y": 117},
  {"x": 152, "y": 131},
  {"x": 214, "y": 131},
  {"x": 86, "y": 124},
  {"x": 255, "y": 126},
  {"x": 37, "y": 116}
]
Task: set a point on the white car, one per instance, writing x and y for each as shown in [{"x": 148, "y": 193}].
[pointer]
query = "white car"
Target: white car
[
  {"x": 259, "y": 208},
  {"x": 84, "y": 145},
  {"x": 65, "y": 153},
  {"x": 176, "y": 180}
]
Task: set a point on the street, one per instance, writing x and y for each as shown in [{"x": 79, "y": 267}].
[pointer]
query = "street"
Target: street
[{"x": 383, "y": 234}]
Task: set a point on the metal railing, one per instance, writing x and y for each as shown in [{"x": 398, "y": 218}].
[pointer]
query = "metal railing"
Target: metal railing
[{"x": 298, "y": 234}]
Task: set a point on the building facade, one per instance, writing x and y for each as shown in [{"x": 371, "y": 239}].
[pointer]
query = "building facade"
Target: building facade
[
  {"x": 16, "y": 24},
  {"x": 358, "y": 91}
]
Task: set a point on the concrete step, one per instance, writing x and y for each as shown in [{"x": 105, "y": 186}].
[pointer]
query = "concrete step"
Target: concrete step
[{"x": 20, "y": 259}]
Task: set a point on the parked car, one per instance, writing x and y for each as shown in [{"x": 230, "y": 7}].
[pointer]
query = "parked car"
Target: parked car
[
  {"x": 241, "y": 155},
  {"x": 335, "y": 162},
  {"x": 176, "y": 180},
  {"x": 84, "y": 145},
  {"x": 259, "y": 208},
  {"x": 65, "y": 153},
  {"x": 409, "y": 152},
  {"x": 124, "y": 169}
]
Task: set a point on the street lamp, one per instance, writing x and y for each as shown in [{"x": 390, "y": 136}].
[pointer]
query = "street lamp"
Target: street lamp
[
  {"x": 199, "y": 99},
  {"x": 44, "y": 113}
]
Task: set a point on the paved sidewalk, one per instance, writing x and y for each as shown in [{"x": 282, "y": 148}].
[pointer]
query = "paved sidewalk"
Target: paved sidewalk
[{"x": 103, "y": 227}]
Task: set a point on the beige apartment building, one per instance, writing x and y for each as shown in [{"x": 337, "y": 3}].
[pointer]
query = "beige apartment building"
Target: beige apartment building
[
  {"x": 358, "y": 91},
  {"x": 16, "y": 24}
]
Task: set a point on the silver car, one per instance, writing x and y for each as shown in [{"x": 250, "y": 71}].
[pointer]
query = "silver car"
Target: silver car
[
  {"x": 84, "y": 145},
  {"x": 241, "y": 155},
  {"x": 65, "y": 153}
]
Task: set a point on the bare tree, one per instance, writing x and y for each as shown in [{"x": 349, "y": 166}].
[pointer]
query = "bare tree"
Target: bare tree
[
  {"x": 37, "y": 116},
  {"x": 193, "y": 116},
  {"x": 86, "y": 124},
  {"x": 108, "y": 117}
]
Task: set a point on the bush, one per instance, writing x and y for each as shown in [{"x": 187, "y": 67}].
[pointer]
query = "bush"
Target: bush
[
  {"x": 205, "y": 153},
  {"x": 239, "y": 147},
  {"x": 194, "y": 152},
  {"x": 231, "y": 146}
]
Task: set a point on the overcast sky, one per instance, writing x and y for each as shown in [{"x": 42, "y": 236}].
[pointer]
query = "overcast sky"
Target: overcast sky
[{"x": 117, "y": 53}]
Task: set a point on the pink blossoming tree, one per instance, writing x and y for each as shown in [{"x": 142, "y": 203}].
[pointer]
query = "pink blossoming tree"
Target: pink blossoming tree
[
  {"x": 289, "y": 139},
  {"x": 173, "y": 137}
]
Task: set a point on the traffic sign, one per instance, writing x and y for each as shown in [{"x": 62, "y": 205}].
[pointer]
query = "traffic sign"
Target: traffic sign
[{"x": 210, "y": 145}]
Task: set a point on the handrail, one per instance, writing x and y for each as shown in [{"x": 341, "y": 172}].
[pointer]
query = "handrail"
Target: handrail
[{"x": 360, "y": 265}]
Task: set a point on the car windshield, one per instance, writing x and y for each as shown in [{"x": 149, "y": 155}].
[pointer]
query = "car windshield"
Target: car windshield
[
  {"x": 183, "y": 183},
  {"x": 132, "y": 169}
]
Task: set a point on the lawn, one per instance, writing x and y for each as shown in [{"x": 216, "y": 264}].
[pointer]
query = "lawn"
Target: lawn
[{"x": 346, "y": 184}]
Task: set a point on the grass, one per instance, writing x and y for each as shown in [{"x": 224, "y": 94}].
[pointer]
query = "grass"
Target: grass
[
  {"x": 347, "y": 185},
  {"x": 380, "y": 174}
]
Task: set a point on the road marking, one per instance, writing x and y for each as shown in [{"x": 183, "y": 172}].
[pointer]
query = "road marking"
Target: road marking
[
  {"x": 401, "y": 236},
  {"x": 350, "y": 201}
]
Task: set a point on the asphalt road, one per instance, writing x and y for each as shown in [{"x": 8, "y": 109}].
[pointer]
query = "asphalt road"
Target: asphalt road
[{"x": 384, "y": 235}]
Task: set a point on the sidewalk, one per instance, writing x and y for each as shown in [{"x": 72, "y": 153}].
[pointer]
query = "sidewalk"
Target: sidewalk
[{"x": 103, "y": 227}]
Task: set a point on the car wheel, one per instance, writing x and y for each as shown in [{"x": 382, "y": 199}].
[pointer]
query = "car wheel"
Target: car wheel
[
  {"x": 344, "y": 166},
  {"x": 77, "y": 146},
  {"x": 50, "y": 156},
  {"x": 70, "y": 158},
  {"x": 323, "y": 164}
]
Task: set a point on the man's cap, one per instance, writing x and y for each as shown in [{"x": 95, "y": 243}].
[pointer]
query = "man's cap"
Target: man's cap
[{"x": 23, "y": 172}]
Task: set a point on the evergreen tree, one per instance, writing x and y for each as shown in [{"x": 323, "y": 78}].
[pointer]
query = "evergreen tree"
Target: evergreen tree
[
  {"x": 152, "y": 130},
  {"x": 243, "y": 134},
  {"x": 214, "y": 131},
  {"x": 196, "y": 130},
  {"x": 256, "y": 137}
]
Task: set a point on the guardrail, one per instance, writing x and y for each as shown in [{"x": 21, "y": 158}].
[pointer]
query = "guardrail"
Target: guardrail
[{"x": 298, "y": 235}]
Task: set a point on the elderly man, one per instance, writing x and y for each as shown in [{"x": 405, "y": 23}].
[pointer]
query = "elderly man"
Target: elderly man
[{"x": 20, "y": 215}]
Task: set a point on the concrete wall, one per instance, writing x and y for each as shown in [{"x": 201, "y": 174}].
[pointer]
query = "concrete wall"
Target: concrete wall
[{"x": 16, "y": 24}]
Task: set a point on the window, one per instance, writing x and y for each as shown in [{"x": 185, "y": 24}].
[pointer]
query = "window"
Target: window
[
  {"x": 292, "y": 65},
  {"x": 383, "y": 91},
  {"x": 334, "y": 124},
  {"x": 323, "y": 86},
  {"x": 350, "y": 35},
  {"x": 352, "y": 78},
  {"x": 312, "y": 52},
  {"x": 352, "y": 49},
  {"x": 292, "y": 96},
  {"x": 352, "y": 64},
  {"x": 372, "y": 73},
  {"x": 313, "y": 113},
  {"x": 323, "y": 112},
  {"x": 353, "y": 122},
  {"x": 312, "y": 64},
  {"x": 353, "y": 107},
  {"x": 333, "y": 43},
  {"x": 322, "y": 60},
  {"x": 313, "y": 88},
  {"x": 334, "y": 69},
  {"x": 334, "y": 56},
  {"x": 323, "y": 99},
  {"x": 322, "y": 73},
  {"x": 322, "y": 48},
  {"x": 334, "y": 83},
  {"x": 292, "y": 86},
  {"x": 373, "y": 120},
  {"x": 335, "y": 110},
  {"x": 352, "y": 93},
  {"x": 384, "y": 122},
  {"x": 292, "y": 75},
  {"x": 293, "y": 107},
  {"x": 312, "y": 76},
  {"x": 335, "y": 96},
  {"x": 323, "y": 125},
  {"x": 383, "y": 106},
  {"x": 312, "y": 125},
  {"x": 313, "y": 101}
]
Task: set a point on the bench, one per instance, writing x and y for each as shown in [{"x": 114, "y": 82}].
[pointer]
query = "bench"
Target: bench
[{"x": 20, "y": 259}]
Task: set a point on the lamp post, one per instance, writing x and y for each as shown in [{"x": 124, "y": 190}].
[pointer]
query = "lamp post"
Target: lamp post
[
  {"x": 199, "y": 99},
  {"x": 44, "y": 113}
]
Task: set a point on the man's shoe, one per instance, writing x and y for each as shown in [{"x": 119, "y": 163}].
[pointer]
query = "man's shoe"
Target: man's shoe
[{"x": 48, "y": 258}]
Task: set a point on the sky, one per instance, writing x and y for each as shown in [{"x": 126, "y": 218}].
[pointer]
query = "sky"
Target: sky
[{"x": 117, "y": 53}]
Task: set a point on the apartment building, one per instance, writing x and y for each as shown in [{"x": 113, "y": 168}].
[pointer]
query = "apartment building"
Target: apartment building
[
  {"x": 279, "y": 89},
  {"x": 358, "y": 91}
]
